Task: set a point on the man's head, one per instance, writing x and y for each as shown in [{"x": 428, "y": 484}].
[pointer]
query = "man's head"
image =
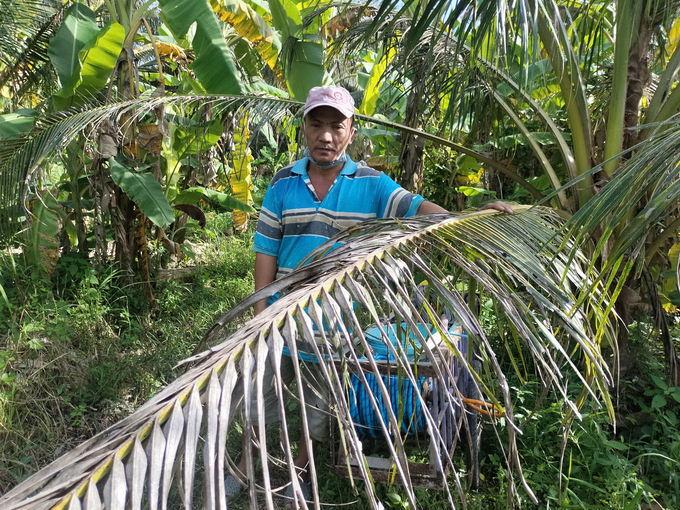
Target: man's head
[{"x": 328, "y": 122}]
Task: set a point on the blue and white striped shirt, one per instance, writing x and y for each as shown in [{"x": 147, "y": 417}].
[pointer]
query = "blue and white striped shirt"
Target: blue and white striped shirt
[{"x": 293, "y": 221}]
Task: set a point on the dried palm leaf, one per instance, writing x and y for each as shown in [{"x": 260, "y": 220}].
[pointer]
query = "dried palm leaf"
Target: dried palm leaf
[{"x": 373, "y": 273}]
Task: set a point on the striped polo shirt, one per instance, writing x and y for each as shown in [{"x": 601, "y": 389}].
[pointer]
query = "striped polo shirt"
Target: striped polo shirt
[{"x": 293, "y": 221}]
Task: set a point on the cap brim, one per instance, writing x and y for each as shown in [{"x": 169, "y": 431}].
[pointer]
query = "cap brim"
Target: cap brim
[{"x": 345, "y": 111}]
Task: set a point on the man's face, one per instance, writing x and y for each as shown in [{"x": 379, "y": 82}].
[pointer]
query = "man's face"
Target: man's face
[{"x": 328, "y": 133}]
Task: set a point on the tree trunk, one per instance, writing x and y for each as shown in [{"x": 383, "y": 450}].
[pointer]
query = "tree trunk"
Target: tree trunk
[
  {"x": 75, "y": 171},
  {"x": 412, "y": 146},
  {"x": 638, "y": 79},
  {"x": 123, "y": 222},
  {"x": 122, "y": 208}
]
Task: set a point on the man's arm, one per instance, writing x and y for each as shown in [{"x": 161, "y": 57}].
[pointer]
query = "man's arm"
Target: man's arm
[
  {"x": 265, "y": 273},
  {"x": 431, "y": 208}
]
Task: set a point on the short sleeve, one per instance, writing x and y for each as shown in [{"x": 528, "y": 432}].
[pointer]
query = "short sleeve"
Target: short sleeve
[
  {"x": 269, "y": 232},
  {"x": 395, "y": 201}
]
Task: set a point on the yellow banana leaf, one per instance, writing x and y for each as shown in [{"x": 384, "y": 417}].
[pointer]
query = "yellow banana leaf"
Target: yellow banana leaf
[
  {"x": 171, "y": 51},
  {"x": 673, "y": 37},
  {"x": 251, "y": 26},
  {"x": 289, "y": 127},
  {"x": 372, "y": 92},
  {"x": 240, "y": 178}
]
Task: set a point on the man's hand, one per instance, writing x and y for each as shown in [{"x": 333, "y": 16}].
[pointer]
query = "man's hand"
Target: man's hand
[{"x": 498, "y": 206}]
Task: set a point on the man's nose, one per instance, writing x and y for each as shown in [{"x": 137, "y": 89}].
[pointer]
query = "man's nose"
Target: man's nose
[{"x": 326, "y": 136}]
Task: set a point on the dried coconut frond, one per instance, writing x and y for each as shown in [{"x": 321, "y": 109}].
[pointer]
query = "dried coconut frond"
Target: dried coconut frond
[{"x": 516, "y": 260}]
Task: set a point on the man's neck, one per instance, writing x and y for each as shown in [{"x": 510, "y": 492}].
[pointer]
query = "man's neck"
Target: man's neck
[{"x": 313, "y": 170}]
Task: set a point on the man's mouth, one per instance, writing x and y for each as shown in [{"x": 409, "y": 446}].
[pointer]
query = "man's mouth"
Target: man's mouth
[{"x": 324, "y": 152}]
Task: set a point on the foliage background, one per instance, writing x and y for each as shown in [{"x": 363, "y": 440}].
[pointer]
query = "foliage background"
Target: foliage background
[{"x": 90, "y": 328}]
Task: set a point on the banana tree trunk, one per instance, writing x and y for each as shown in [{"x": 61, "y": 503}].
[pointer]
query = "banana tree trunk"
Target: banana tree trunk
[
  {"x": 122, "y": 208},
  {"x": 123, "y": 222},
  {"x": 101, "y": 194},
  {"x": 75, "y": 171}
]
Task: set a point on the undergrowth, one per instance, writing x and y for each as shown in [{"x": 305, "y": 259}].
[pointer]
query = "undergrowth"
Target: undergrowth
[{"x": 81, "y": 349}]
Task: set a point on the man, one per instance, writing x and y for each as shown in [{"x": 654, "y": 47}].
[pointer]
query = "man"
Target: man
[{"x": 306, "y": 204}]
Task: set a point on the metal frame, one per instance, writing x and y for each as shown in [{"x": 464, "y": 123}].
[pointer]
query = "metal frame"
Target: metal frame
[{"x": 423, "y": 474}]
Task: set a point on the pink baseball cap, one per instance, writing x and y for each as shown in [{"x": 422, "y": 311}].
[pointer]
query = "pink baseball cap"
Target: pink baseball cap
[{"x": 335, "y": 97}]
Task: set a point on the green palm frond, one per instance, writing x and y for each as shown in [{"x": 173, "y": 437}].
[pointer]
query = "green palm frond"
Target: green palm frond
[
  {"x": 21, "y": 20},
  {"x": 643, "y": 193},
  {"x": 25, "y": 30},
  {"x": 375, "y": 272},
  {"x": 20, "y": 158},
  {"x": 454, "y": 67}
]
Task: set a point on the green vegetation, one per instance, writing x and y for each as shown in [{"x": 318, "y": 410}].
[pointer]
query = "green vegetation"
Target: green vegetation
[
  {"x": 83, "y": 349},
  {"x": 136, "y": 143}
]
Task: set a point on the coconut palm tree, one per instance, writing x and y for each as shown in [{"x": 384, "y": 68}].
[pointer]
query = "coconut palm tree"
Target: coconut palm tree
[{"x": 604, "y": 71}]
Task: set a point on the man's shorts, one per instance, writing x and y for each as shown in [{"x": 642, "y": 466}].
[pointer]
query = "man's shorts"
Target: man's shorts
[{"x": 316, "y": 400}]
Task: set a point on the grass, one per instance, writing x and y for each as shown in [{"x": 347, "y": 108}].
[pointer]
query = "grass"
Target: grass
[{"x": 80, "y": 350}]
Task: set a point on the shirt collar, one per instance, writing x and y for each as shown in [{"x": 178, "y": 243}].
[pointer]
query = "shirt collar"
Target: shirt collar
[{"x": 300, "y": 167}]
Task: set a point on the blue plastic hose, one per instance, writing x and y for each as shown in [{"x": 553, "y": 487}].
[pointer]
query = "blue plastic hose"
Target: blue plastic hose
[{"x": 411, "y": 414}]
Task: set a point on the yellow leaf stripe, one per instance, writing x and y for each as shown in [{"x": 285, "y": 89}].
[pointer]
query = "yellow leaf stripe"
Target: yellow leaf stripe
[
  {"x": 252, "y": 27},
  {"x": 375, "y": 80},
  {"x": 240, "y": 178}
]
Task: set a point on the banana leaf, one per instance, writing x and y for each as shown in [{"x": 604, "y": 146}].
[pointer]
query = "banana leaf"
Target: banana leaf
[
  {"x": 226, "y": 202},
  {"x": 78, "y": 28},
  {"x": 214, "y": 65},
  {"x": 145, "y": 191}
]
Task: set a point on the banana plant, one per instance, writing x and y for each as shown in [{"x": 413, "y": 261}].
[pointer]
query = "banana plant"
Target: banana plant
[
  {"x": 375, "y": 79},
  {"x": 253, "y": 27},
  {"x": 83, "y": 55},
  {"x": 292, "y": 50},
  {"x": 515, "y": 260},
  {"x": 303, "y": 51},
  {"x": 145, "y": 191},
  {"x": 299, "y": 62},
  {"x": 213, "y": 66},
  {"x": 240, "y": 178}
]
